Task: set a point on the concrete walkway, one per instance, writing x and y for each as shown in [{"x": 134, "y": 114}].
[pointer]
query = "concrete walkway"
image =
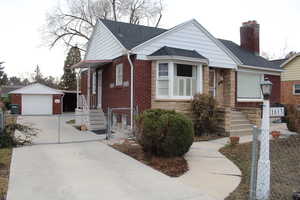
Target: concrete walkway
[
  {"x": 88, "y": 171},
  {"x": 210, "y": 170},
  {"x": 213, "y": 172}
]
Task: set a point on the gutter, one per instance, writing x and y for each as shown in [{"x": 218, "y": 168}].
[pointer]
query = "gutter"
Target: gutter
[
  {"x": 261, "y": 68},
  {"x": 131, "y": 89}
]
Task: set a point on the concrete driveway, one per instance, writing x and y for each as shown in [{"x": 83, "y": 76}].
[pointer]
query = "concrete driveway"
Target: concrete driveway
[
  {"x": 87, "y": 171},
  {"x": 54, "y": 129}
]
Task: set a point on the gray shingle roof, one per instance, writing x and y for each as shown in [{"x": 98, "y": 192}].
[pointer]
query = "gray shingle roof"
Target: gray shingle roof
[
  {"x": 247, "y": 57},
  {"x": 278, "y": 62},
  {"x": 171, "y": 51},
  {"x": 131, "y": 35}
]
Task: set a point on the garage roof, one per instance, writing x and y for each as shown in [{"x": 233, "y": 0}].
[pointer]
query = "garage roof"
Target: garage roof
[{"x": 36, "y": 88}]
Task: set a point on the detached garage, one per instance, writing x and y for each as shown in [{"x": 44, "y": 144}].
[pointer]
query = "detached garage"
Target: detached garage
[{"x": 38, "y": 99}]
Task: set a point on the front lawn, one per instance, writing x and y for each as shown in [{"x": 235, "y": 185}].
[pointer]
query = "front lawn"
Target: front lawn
[
  {"x": 5, "y": 158},
  {"x": 173, "y": 167},
  {"x": 285, "y": 167}
]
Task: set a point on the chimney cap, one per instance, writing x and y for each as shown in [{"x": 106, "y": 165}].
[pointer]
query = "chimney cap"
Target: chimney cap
[{"x": 250, "y": 22}]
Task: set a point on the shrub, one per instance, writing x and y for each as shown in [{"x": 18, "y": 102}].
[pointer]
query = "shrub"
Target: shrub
[
  {"x": 164, "y": 133},
  {"x": 204, "y": 109},
  {"x": 293, "y": 118},
  {"x": 9, "y": 139}
]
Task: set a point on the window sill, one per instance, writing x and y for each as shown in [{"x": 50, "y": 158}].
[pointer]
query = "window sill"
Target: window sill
[
  {"x": 249, "y": 100},
  {"x": 187, "y": 99}
]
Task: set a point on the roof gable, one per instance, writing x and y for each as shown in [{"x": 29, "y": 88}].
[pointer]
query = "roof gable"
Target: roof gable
[
  {"x": 103, "y": 45},
  {"x": 36, "y": 88},
  {"x": 190, "y": 36},
  {"x": 131, "y": 35},
  {"x": 289, "y": 60}
]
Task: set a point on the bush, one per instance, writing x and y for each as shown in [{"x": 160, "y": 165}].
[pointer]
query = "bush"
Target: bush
[
  {"x": 204, "y": 109},
  {"x": 293, "y": 118},
  {"x": 164, "y": 133},
  {"x": 8, "y": 138}
]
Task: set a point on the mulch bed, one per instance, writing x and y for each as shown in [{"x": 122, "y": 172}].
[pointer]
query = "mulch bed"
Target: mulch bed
[
  {"x": 173, "y": 167},
  {"x": 285, "y": 167},
  {"x": 5, "y": 158}
]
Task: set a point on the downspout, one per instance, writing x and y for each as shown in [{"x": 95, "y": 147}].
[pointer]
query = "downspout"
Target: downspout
[{"x": 131, "y": 89}]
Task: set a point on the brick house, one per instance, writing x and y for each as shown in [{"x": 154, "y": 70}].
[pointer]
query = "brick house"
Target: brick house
[
  {"x": 290, "y": 80},
  {"x": 168, "y": 66}
]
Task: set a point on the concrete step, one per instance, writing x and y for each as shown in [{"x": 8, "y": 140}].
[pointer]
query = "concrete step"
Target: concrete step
[
  {"x": 97, "y": 118},
  {"x": 241, "y": 132},
  {"x": 235, "y": 117},
  {"x": 239, "y": 121},
  {"x": 241, "y": 126},
  {"x": 100, "y": 123},
  {"x": 94, "y": 128}
]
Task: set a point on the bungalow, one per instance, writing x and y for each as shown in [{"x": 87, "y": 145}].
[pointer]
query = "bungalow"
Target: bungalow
[{"x": 139, "y": 66}]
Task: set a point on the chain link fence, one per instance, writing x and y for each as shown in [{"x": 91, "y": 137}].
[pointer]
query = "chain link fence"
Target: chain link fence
[{"x": 284, "y": 166}]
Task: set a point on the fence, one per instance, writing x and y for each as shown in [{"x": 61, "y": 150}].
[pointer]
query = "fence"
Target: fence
[
  {"x": 284, "y": 164},
  {"x": 118, "y": 120},
  {"x": 56, "y": 129}
]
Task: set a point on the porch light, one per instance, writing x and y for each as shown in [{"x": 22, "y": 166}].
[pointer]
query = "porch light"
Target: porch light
[{"x": 266, "y": 88}]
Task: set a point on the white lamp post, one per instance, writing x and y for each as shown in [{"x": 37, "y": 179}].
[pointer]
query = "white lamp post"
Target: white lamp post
[{"x": 263, "y": 174}]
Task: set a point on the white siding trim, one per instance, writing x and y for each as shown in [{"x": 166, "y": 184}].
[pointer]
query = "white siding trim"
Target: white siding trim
[{"x": 103, "y": 45}]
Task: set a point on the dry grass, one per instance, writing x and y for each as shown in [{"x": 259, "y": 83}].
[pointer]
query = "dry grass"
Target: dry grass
[
  {"x": 285, "y": 167},
  {"x": 173, "y": 167},
  {"x": 5, "y": 158}
]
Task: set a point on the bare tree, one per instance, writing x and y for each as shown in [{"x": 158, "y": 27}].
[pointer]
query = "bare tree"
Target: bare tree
[{"x": 73, "y": 23}]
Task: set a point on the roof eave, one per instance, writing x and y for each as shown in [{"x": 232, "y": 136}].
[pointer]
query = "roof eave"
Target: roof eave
[
  {"x": 261, "y": 68},
  {"x": 289, "y": 60},
  {"x": 181, "y": 58}
]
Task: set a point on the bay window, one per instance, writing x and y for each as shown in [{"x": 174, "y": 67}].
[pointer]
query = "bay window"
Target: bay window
[
  {"x": 248, "y": 86},
  {"x": 177, "y": 80}
]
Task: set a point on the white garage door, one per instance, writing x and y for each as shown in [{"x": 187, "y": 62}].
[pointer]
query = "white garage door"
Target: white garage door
[{"x": 37, "y": 104}]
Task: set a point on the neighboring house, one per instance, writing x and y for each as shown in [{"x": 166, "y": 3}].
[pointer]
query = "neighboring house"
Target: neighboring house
[
  {"x": 169, "y": 66},
  {"x": 37, "y": 99},
  {"x": 5, "y": 89},
  {"x": 290, "y": 80}
]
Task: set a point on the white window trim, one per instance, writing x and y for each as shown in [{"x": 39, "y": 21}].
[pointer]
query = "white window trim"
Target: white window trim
[
  {"x": 241, "y": 99},
  {"x": 170, "y": 78},
  {"x": 294, "y": 89},
  {"x": 119, "y": 82}
]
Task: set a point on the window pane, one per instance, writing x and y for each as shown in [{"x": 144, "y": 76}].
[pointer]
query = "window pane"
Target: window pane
[
  {"x": 163, "y": 69},
  {"x": 119, "y": 74},
  {"x": 188, "y": 87},
  {"x": 249, "y": 85},
  {"x": 163, "y": 87},
  {"x": 181, "y": 87},
  {"x": 194, "y": 87},
  {"x": 184, "y": 70},
  {"x": 297, "y": 88},
  {"x": 175, "y": 89}
]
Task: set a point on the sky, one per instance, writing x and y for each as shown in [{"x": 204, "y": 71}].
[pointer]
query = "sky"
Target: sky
[{"x": 22, "y": 46}]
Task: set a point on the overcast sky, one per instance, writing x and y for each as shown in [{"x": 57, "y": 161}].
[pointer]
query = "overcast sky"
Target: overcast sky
[{"x": 21, "y": 44}]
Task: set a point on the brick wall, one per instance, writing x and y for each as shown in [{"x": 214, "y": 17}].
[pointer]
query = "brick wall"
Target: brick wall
[
  {"x": 142, "y": 81},
  {"x": 276, "y": 90},
  {"x": 287, "y": 93},
  {"x": 17, "y": 99},
  {"x": 83, "y": 83},
  {"x": 56, "y": 109},
  {"x": 119, "y": 96}
]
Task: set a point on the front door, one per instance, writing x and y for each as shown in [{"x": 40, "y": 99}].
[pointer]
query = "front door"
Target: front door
[
  {"x": 99, "y": 92},
  {"x": 212, "y": 82}
]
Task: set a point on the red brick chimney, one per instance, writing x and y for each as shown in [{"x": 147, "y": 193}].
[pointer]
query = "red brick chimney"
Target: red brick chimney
[{"x": 250, "y": 36}]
